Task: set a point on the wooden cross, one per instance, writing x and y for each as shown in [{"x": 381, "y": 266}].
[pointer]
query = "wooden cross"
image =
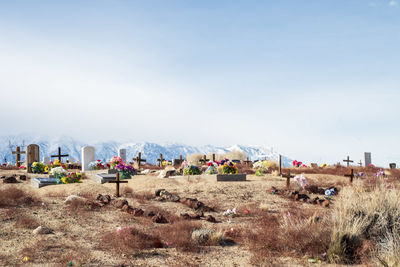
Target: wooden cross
[
  {"x": 348, "y": 161},
  {"x": 213, "y": 157},
  {"x": 351, "y": 175},
  {"x": 59, "y": 156},
  {"x": 247, "y": 161},
  {"x": 287, "y": 176},
  {"x": 204, "y": 159},
  {"x": 280, "y": 165},
  {"x": 160, "y": 160},
  {"x": 139, "y": 159},
  {"x": 117, "y": 182},
  {"x": 360, "y": 163},
  {"x": 18, "y": 154}
]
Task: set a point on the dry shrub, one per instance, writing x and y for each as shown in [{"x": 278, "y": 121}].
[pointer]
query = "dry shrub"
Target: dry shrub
[
  {"x": 27, "y": 222},
  {"x": 12, "y": 196},
  {"x": 365, "y": 217},
  {"x": 194, "y": 158},
  {"x": 129, "y": 240},
  {"x": 179, "y": 235},
  {"x": 127, "y": 191},
  {"x": 286, "y": 234}
]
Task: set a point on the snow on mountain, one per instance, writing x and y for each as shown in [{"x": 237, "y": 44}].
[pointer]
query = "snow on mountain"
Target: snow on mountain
[{"x": 106, "y": 150}]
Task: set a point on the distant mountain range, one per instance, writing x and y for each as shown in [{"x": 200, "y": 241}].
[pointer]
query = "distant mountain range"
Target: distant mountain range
[{"x": 106, "y": 150}]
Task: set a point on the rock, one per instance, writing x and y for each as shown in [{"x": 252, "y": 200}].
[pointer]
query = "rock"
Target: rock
[
  {"x": 2, "y": 177},
  {"x": 185, "y": 216},
  {"x": 137, "y": 212},
  {"x": 73, "y": 198},
  {"x": 10, "y": 180},
  {"x": 149, "y": 213},
  {"x": 28, "y": 200},
  {"x": 104, "y": 199},
  {"x": 325, "y": 203},
  {"x": 158, "y": 191},
  {"x": 146, "y": 171},
  {"x": 315, "y": 189},
  {"x": 22, "y": 177},
  {"x": 127, "y": 208},
  {"x": 167, "y": 172},
  {"x": 168, "y": 196},
  {"x": 210, "y": 218},
  {"x": 194, "y": 216},
  {"x": 119, "y": 203},
  {"x": 159, "y": 218},
  {"x": 42, "y": 230}
]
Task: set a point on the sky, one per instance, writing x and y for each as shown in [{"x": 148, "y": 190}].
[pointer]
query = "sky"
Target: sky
[{"x": 316, "y": 80}]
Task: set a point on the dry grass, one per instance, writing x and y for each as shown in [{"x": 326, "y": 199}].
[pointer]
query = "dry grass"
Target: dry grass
[
  {"x": 178, "y": 235},
  {"x": 27, "y": 222},
  {"x": 12, "y": 196},
  {"x": 58, "y": 194},
  {"x": 142, "y": 197}
]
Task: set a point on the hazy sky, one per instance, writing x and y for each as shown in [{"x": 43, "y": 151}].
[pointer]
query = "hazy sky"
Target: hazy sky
[{"x": 317, "y": 80}]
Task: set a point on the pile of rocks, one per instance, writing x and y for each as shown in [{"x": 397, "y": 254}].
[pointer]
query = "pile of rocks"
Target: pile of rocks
[{"x": 13, "y": 178}]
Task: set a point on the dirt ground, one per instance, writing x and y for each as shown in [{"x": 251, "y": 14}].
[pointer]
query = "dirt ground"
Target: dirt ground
[{"x": 77, "y": 236}]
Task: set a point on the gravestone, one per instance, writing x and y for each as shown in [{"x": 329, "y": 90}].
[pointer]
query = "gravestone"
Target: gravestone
[
  {"x": 40, "y": 182},
  {"x": 87, "y": 157},
  {"x": 102, "y": 178},
  {"x": 46, "y": 160},
  {"x": 122, "y": 154},
  {"x": 32, "y": 155},
  {"x": 392, "y": 165},
  {"x": 367, "y": 156}
]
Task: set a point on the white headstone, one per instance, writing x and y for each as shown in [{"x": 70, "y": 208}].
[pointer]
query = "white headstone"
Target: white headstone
[
  {"x": 46, "y": 160},
  {"x": 368, "y": 160},
  {"x": 122, "y": 154},
  {"x": 87, "y": 157}
]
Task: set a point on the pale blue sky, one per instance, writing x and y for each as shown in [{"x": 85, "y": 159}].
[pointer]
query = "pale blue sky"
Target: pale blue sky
[{"x": 317, "y": 80}]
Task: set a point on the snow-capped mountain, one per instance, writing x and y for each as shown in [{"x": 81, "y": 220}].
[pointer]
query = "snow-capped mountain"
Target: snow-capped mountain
[{"x": 106, "y": 150}]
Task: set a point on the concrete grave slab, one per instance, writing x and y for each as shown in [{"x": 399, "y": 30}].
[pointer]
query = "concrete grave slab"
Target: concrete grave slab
[{"x": 40, "y": 182}]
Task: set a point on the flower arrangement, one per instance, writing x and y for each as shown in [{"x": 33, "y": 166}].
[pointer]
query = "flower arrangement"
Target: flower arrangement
[
  {"x": 212, "y": 167},
  {"x": 97, "y": 165},
  {"x": 192, "y": 170},
  {"x": 39, "y": 167},
  {"x": 58, "y": 172},
  {"x": 323, "y": 165},
  {"x": 297, "y": 164},
  {"x": 54, "y": 164},
  {"x": 230, "y": 212},
  {"x": 301, "y": 180},
  {"x": 125, "y": 171},
  {"x": 380, "y": 173},
  {"x": 227, "y": 167},
  {"x": 166, "y": 163},
  {"x": 115, "y": 161},
  {"x": 71, "y": 178},
  {"x": 262, "y": 167},
  {"x": 22, "y": 167}
]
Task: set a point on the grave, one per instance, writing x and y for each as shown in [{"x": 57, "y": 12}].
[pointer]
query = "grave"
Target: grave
[
  {"x": 40, "y": 182},
  {"x": 216, "y": 177},
  {"x": 122, "y": 154},
  {"x": 160, "y": 160},
  {"x": 367, "y": 156},
  {"x": 348, "y": 160},
  {"x": 87, "y": 155},
  {"x": 18, "y": 154},
  {"x": 392, "y": 165},
  {"x": 46, "y": 160},
  {"x": 139, "y": 160},
  {"x": 32, "y": 155},
  {"x": 59, "y": 155},
  {"x": 102, "y": 178},
  {"x": 177, "y": 161}
]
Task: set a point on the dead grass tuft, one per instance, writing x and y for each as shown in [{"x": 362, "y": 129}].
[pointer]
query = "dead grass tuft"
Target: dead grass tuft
[
  {"x": 12, "y": 196},
  {"x": 179, "y": 235},
  {"x": 27, "y": 222},
  {"x": 143, "y": 197}
]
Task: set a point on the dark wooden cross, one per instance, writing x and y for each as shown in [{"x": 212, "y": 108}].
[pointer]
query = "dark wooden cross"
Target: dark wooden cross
[
  {"x": 181, "y": 158},
  {"x": 59, "y": 156},
  {"x": 204, "y": 159},
  {"x": 351, "y": 175},
  {"x": 213, "y": 157},
  {"x": 348, "y": 161},
  {"x": 360, "y": 163},
  {"x": 117, "y": 182},
  {"x": 139, "y": 159},
  {"x": 160, "y": 160},
  {"x": 18, "y": 154},
  {"x": 280, "y": 165},
  {"x": 247, "y": 161},
  {"x": 287, "y": 176}
]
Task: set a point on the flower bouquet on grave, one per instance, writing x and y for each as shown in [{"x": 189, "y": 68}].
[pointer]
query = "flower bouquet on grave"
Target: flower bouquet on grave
[
  {"x": 39, "y": 167},
  {"x": 380, "y": 174},
  {"x": 301, "y": 180},
  {"x": 227, "y": 167},
  {"x": 71, "y": 178},
  {"x": 97, "y": 165},
  {"x": 166, "y": 163},
  {"x": 192, "y": 170},
  {"x": 125, "y": 171},
  {"x": 115, "y": 161},
  {"x": 54, "y": 164},
  {"x": 263, "y": 166},
  {"x": 22, "y": 167},
  {"x": 58, "y": 172},
  {"x": 212, "y": 167}
]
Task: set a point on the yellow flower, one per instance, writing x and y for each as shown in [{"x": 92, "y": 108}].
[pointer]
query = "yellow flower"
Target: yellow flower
[
  {"x": 26, "y": 259},
  {"x": 46, "y": 169}
]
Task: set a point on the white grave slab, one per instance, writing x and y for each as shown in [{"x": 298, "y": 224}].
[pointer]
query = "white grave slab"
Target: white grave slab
[
  {"x": 87, "y": 157},
  {"x": 122, "y": 154},
  {"x": 46, "y": 160}
]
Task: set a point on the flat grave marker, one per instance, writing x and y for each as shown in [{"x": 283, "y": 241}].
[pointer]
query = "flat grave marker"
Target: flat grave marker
[{"x": 41, "y": 182}]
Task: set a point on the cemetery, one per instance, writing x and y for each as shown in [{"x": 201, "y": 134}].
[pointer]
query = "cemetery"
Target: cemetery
[{"x": 197, "y": 209}]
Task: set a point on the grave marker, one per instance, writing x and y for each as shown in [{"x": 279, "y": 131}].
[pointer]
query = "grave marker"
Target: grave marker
[
  {"x": 18, "y": 154},
  {"x": 287, "y": 176},
  {"x": 139, "y": 160},
  {"x": 59, "y": 156},
  {"x": 280, "y": 165},
  {"x": 32, "y": 155},
  {"x": 122, "y": 154},
  {"x": 360, "y": 163},
  {"x": 392, "y": 165},
  {"x": 87, "y": 156},
  {"x": 348, "y": 160},
  {"x": 367, "y": 156},
  {"x": 247, "y": 161},
  {"x": 117, "y": 182},
  {"x": 160, "y": 160},
  {"x": 46, "y": 160},
  {"x": 351, "y": 175},
  {"x": 177, "y": 161},
  {"x": 204, "y": 159}
]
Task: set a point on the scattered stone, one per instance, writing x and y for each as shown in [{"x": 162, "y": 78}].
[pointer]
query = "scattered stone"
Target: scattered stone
[
  {"x": 42, "y": 230},
  {"x": 158, "y": 191},
  {"x": 210, "y": 218},
  {"x": 22, "y": 177},
  {"x": 137, "y": 212},
  {"x": 167, "y": 172},
  {"x": 119, "y": 203},
  {"x": 315, "y": 189},
  {"x": 10, "y": 180},
  {"x": 149, "y": 213},
  {"x": 73, "y": 198},
  {"x": 159, "y": 218},
  {"x": 325, "y": 203},
  {"x": 28, "y": 200},
  {"x": 297, "y": 196},
  {"x": 104, "y": 199},
  {"x": 168, "y": 196},
  {"x": 146, "y": 171},
  {"x": 127, "y": 208}
]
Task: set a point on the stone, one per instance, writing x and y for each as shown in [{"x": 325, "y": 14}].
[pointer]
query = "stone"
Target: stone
[
  {"x": 28, "y": 200},
  {"x": 210, "y": 218},
  {"x": 22, "y": 177},
  {"x": 10, "y": 180},
  {"x": 72, "y": 198},
  {"x": 104, "y": 199},
  {"x": 314, "y": 165},
  {"x": 102, "y": 178},
  {"x": 40, "y": 182},
  {"x": 325, "y": 203},
  {"x": 46, "y": 160},
  {"x": 146, "y": 171},
  {"x": 314, "y": 189},
  {"x": 170, "y": 197},
  {"x": 138, "y": 212},
  {"x": 42, "y": 230},
  {"x": 167, "y": 172},
  {"x": 32, "y": 155},
  {"x": 149, "y": 213},
  {"x": 122, "y": 154},
  {"x": 127, "y": 208},
  {"x": 392, "y": 165},
  {"x": 367, "y": 158},
  {"x": 158, "y": 191},
  {"x": 119, "y": 203},
  {"x": 231, "y": 177},
  {"x": 87, "y": 156},
  {"x": 159, "y": 218},
  {"x": 2, "y": 177}
]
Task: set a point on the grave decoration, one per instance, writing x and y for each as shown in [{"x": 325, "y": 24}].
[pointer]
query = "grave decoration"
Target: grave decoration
[
  {"x": 227, "y": 167},
  {"x": 70, "y": 178},
  {"x": 166, "y": 163},
  {"x": 262, "y": 167},
  {"x": 58, "y": 172},
  {"x": 192, "y": 170},
  {"x": 125, "y": 171},
  {"x": 39, "y": 167},
  {"x": 98, "y": 165},
  {"x": 22, "y": 167},
  {"x": 323, "y": 165},
  {"x": 57, "y": 163},
  {"x": 212, "y": 167},
  {"x": 380, "y": 174},
  {"x": 301, "y": 180},
  {"x": 115, "y": 161},
  {"x": 298, "y": 164}
]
